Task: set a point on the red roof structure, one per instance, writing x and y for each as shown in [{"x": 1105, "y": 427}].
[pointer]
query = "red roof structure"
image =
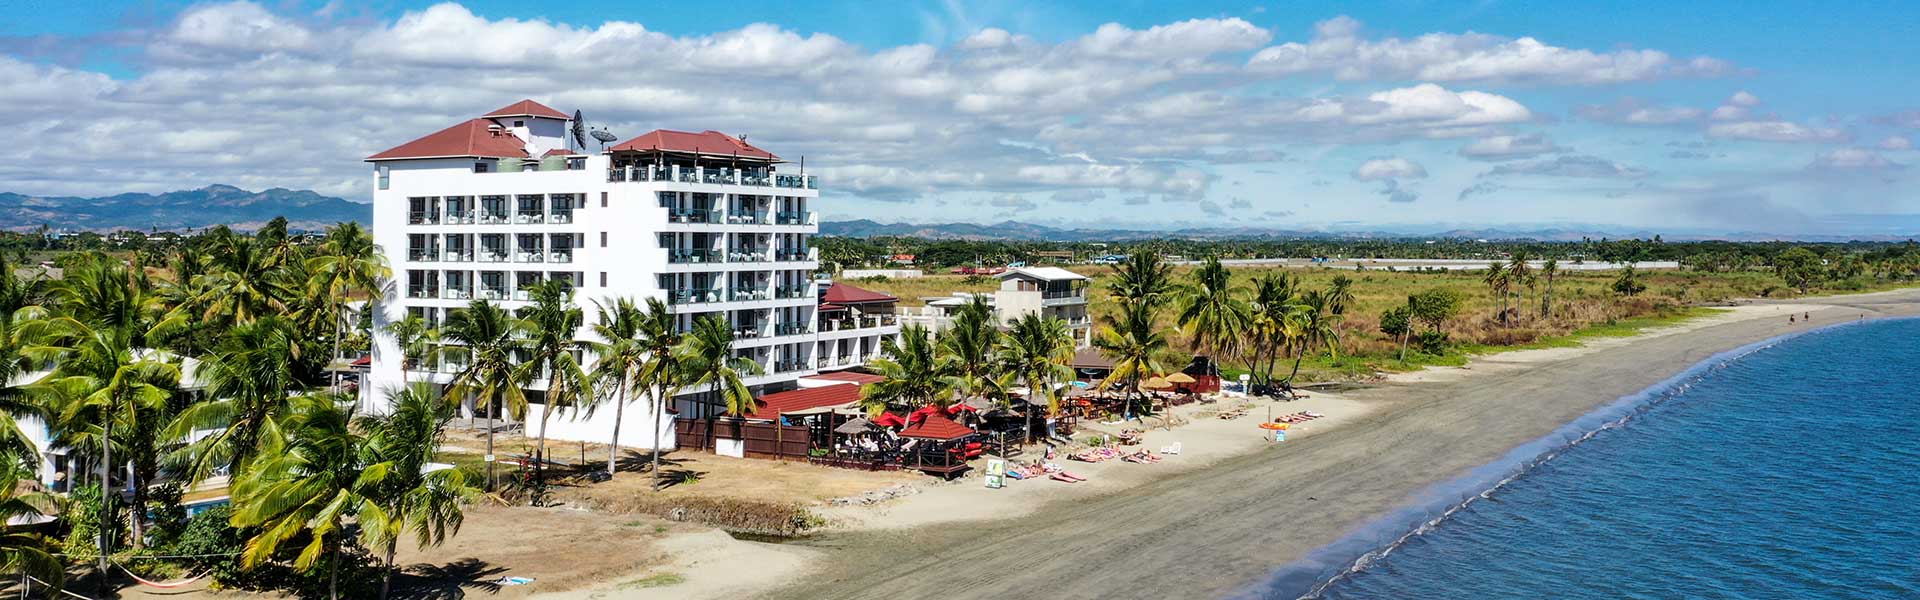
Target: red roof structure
[
  {"x": 843, "y": 294},
  {"x": 709, "y": 142},
  {"x": 470, "y": 139},
  {"x": 528, "y": 108},
  {"x": 779, "y": 403},
  {"x": 936, "y": 427},
  {"x": 854, "y": 377}
]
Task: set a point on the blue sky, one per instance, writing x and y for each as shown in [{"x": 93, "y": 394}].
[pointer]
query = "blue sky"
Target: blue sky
[{"x": 1783, "y": 117}]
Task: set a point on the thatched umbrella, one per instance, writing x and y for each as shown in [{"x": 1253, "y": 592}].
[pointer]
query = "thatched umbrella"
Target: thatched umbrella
[{"x": 854, "y": 426}]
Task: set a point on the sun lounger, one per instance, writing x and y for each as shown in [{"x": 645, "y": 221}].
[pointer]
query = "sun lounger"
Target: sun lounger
[{"x": 1171, "y": 449}]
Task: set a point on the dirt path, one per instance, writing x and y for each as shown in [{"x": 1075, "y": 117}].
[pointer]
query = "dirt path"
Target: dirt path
[{"x": 1214, "y": 531}]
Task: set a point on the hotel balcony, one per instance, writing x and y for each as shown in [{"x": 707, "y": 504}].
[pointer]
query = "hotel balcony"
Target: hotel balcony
[
  {"x": 860, "y": 322},
  {"x": 788, "y": 292},
  {"x": 711, "y": 175},
  {"x": 695, "y": 296},
  {"x": 795, "y": 218}
]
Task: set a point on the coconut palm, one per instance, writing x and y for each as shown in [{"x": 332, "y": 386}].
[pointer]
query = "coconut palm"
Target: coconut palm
[
  {"x": 912, "y": 374},
  {"x": 349, "y": 264},
  {"x": 415, "y": 495},
  {"x": 1519, "y": 274},
  {"x": 710, "y": 361},
  {"x": 1340, "y": 295},
  {"x": 1498, "y": 283},
  {"x": 1274, "y": 299},
  {"x": 1314, "y": 324},
  {"x": 1038, "y": 350},
  {"x": 317, "y": 480},
  {"x": 245, "y": 283},
  {"x": 1134, "y": 345},
  {"x": 414, "y": 340},
  {"x": 620, "y": 357},
  {"x": 664, "y": 369},
  {"x": 24, "y": 552},
  {"x": 1211, "y": 311},
  {"x": 1549, "y": 270},
  {"x": 249, "y": 377},
  {"x": 967, "y": 347},
  {"x": 1143, "y": 278},
  {"x": 552, "y": 321},
  {"x": 488, "y": 338}
]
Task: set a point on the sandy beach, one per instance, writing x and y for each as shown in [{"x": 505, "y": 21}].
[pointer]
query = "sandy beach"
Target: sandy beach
[{"x": 1234, "y": 508}]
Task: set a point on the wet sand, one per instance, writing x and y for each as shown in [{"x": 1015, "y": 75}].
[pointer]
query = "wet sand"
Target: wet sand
[{"x": 1213, "y": 532}]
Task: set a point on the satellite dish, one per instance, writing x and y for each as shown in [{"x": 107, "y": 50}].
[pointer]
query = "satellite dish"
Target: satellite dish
[
  {"x": 605, "y": 137},
  {"x": 579, "y": 131}
]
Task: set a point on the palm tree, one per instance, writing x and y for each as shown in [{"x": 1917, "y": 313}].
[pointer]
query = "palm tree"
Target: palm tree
[
  {"x": 249, "y": 378},
  {"x": 414, "y": 340},
  {"x": 25, "y": 552},
  {"x": 1498, "y": 283},
  {"x": 349, "y": 264},
  {"x": 1039, "y": 351},
  {"x": 1549, "y": 270},
  {"x": 620, "y": 357},
  {"x": 1340, "y": 294},
  {"x": 413, "y": 495},
  {"x": 1142, "y": 278},
  {"x": 317, "y": 480},
  {"x": 913, "y": 374},
  {"x": 1212, "y": 312},
  {"x": 968, "y": 347},
  {"x": 552, "y": 321},
  {"x": 245, "y": 282},
  {"x": 709, "y": 359},
  {"x": 664, "y": 368},
  {"x": 1314, "y": 324},
  {"x": 1520, "y": 273},
  {"x": 1134, "y": 346},
  {"x": 1413, "y": 312},
  {"x": 488, "y": 338},
  {"x": 1274, "y": 299}
]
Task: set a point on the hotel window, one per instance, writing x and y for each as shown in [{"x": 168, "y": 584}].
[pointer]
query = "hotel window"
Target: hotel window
[
  {"x": 384, "y": 176},
  {"x": 519, "y": 123},
  {"x": 603, "y": 239},
  {"x": 479, "y": 167},
  {"x": 603, "y": 199},
  {"x": 603, "y": 279}
]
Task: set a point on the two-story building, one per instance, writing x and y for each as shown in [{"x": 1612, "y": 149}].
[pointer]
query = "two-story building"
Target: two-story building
[{"x": 1050, "y": 292}]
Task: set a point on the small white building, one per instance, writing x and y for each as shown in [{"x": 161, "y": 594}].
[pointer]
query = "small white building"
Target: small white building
[{"x": 1050, "y": 292}]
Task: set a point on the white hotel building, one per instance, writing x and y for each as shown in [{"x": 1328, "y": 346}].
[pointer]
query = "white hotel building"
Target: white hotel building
[{"x": 704, "y": 221}]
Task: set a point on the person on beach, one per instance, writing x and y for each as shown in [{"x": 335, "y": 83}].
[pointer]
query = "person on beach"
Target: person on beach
[{"x": 1790, "y": 319}]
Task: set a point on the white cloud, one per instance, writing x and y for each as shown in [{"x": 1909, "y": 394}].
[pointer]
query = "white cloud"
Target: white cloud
[
  {"x": 1591, "y": 167},
  {"x": 1632, "y": 111},
  {"x": 239, "y": 26},
  {"x": 1852, "y": 159},
  {"x": 1896, "y": 143},
  {"x": 1382, "y": 169},
  {"x": 1338, "y": 48},
  {"x": 1508, "y": 147},
  {"x": 1775, "y": 131},
  {"x": 1187, "y": 39}
]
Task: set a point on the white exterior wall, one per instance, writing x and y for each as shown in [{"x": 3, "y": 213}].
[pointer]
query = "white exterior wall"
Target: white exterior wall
[{"x": 632, "y": 259}]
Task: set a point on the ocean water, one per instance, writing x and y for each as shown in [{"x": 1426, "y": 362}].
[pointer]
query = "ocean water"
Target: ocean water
[{"x": 1791, "y": 471}]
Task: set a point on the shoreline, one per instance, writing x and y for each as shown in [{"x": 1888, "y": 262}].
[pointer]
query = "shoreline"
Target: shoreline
[{"x": 1220, "y": 522}]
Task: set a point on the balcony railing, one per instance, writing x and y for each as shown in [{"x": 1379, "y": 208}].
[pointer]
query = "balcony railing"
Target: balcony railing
[
  {"x": 423, "y": 292},
  {"x": 493, "y": 255},
  {"x": 785, "y": 366},
  {"x": 752, "y": 331},
  {"x": 560, "y": 257},
  {"x": 694, "y": 296},
  {"x": 720, "y": 176},
  {"x": 494, "y": 218},
  {"x": 414, "y": 218},
  {"x": 860, "y": 322},
  {"x": 1055, "y": 295},
  {"x": 792, "y": 329},
  {"x": 693, "y": 256},
  {"x": 747, "y": 255},
  {"x": 746, "y": 217},
  {"x": 561, "y": 218},
  {"x": 792, "y": 291},
  {"x": 794, "y": 217},
  {"x": 423, "y": 255},
  {"x": 458, "y": 256},
  {"x": 793, "y": 255},
  {"x": 533, "y": 255},
  {"x": 456, "y": 294},
  {"x": 693, "y": 215},
  {"x": 493, "y": 293},
  {"x": 740, "y": 294}
]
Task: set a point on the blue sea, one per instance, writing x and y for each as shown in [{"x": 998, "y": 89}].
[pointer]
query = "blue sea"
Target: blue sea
[{"x": 1788, "y": 469}]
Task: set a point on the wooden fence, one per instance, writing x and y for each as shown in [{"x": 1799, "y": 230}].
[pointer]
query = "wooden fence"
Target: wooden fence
[{"x": 763, "y": 440}]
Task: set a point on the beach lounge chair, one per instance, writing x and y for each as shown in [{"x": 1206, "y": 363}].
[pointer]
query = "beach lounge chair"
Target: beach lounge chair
[{"x": 1171, "y": 449}]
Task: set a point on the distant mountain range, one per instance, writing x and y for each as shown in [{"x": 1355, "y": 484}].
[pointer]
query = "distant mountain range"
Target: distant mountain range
[
  {"x": 172, "y": 211},
  {"x": 1015, "y": 230}
]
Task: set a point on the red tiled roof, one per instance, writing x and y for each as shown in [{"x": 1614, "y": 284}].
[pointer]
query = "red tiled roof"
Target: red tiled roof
[
  {"x": 853, "y": 376},
  {"x": 470, "y": 138},
  {"x": 772, "y": 405},
  {"x": 708, "y": 142},
  {"x": 936, "y": 427},
  {"x": 528, "y": 108},
  {"x": 840, "y": 293},
  {"x": 561, "y": 152}
]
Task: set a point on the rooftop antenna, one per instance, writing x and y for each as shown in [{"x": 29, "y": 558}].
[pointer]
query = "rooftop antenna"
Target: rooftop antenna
[
  {"x": 579, "y": 131},
  {"x": 603, "y": 136}
]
